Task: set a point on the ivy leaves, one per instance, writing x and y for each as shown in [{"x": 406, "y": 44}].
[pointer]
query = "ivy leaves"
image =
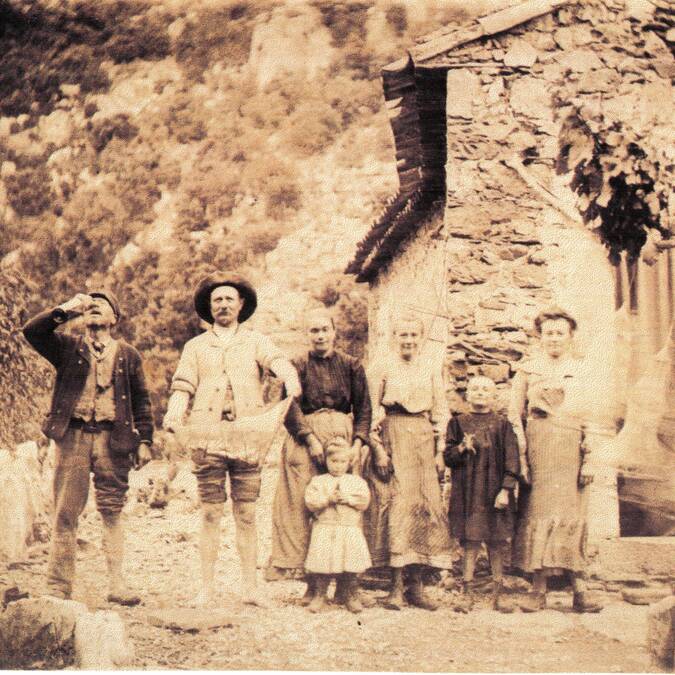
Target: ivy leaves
[{"x": 622, "y": 192}]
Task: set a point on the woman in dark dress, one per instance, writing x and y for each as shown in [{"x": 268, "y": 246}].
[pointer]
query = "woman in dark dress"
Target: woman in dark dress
[{"x": 334, "y": 403}]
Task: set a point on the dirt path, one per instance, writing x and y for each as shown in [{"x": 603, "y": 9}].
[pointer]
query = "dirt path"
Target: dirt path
[{"x": 162, "y": 563}]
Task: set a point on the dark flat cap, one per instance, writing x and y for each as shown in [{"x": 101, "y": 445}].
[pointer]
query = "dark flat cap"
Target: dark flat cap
[
  {"x": 206, "y": 286},
  {"x": 111, "y": 299}
]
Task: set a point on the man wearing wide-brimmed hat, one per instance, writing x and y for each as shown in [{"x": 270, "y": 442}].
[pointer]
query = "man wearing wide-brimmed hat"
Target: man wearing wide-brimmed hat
[
  {"x": 101, "y": 421},
  {"x": 221, "y": 371}
]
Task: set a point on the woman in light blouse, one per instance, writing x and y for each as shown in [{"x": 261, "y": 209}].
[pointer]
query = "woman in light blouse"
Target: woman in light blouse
[
  {"x": 410, "y": 419},
  {"x": 552, "y": 532}
]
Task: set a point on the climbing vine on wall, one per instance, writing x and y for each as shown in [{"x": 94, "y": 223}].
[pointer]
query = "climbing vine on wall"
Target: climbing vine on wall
[{"x": 623, "y": 191}]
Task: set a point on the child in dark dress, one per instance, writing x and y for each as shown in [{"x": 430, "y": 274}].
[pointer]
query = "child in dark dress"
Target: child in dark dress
[{"x": 482, "y": 452}]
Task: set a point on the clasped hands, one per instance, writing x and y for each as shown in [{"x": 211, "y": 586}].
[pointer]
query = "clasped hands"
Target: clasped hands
[{"x": 338, "y": 497}]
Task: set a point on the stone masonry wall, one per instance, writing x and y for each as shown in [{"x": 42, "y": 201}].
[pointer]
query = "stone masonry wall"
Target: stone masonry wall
[
  {"x": 506, "y": 97},
  {"x": 412, "y": 284}
]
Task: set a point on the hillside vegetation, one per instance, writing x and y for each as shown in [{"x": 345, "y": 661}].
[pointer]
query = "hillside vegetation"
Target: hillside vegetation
[{"x": 144, "y": 144}]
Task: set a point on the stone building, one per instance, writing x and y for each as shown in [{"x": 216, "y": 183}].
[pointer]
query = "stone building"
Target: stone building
[{"x": 485, "y": 229}]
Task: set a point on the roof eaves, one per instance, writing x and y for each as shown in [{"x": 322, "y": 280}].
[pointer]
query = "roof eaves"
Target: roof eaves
[
  {"x": 485, "y": 26},
  {"x": 415, "y": 210}
]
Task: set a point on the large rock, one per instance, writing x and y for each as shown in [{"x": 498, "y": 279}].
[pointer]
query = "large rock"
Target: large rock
[
  {"x": 51, "y": 633},
  {"x": 661, "y": 632},
  {"x": 645, "y": 596},
  {"x": 291, "y": 42},
  {"x": 23, "y": 499}
]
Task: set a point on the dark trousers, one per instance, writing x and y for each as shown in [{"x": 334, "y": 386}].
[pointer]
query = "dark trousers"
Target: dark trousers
[{"x": 78, "y": 454}]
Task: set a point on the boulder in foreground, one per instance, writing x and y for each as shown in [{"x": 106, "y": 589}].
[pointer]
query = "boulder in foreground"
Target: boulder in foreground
[{"x": 49, "y": 633}]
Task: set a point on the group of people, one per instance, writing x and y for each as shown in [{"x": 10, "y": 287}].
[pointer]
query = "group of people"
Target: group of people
[{"x": 359, "y": 477}]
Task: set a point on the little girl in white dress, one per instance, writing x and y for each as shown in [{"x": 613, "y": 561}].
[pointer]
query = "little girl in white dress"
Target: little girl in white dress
[{"x": 337, "y": 545}]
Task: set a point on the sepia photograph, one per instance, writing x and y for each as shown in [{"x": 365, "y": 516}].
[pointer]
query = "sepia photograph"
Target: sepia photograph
[{"x": 337, "y": 335}]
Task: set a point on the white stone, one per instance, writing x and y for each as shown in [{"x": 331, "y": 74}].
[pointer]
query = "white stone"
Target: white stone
[
  {"x": 463, "y": 90},
  {"x": 21, "y": 502},
  {"x": 640, "y": 9},
  {"x": 645, "y": 596},
  {"x": 521, "y": 53},
  {"x": 61, "y": 157},
  {"x": 56, "y": 128},
  {"x": 530, "y": 96},
  {"x": 101, "y": 642},
  {"x": 25, "y": 143},
  {"x": 187, "y": 620},
  {"x": 6, "y": 125},
  {"x": 70, "y": 90},
  {"x": 7, "y": 169},
  {"x": 579, "y": 60},
  {"x": 34, "y": 628},
  {"x": 495, "y": 90}
]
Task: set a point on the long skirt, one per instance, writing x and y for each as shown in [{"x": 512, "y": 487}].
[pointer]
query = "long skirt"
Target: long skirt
[
  {"x": 418, "y": 523},
  {"x": 291, "y": 525},
  {"x": 552, "y": 531},
  {"x": 376, "y": 516}
]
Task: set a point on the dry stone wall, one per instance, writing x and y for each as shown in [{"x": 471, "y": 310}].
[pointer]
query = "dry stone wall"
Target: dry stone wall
[{"x": 506, "y": 97}]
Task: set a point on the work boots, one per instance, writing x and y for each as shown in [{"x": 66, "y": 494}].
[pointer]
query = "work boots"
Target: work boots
[
  {"x": 417, "y": 595},
  {"x": 352, "y": 601},
  {"x": 395, "y": 598},
  {"x": 464, "y": 602},
  {"x": 310, "y": 592},
  {"x": 318, "y": 602},
  {"x": 342, "y": 591}
]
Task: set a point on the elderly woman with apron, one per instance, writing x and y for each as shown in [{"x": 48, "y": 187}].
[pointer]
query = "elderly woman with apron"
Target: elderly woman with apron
[{"x": 410, "y": 420}]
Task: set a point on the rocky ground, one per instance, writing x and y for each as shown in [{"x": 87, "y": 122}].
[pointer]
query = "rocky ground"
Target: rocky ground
[{"x": 162, "y": 563}]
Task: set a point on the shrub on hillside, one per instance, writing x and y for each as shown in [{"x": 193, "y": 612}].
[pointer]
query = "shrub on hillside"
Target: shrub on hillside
[
  {"x": 275, "y": 180},
  {"x": 312, "y": 127},
  {"x": 29, "y": 191},
  {"x": 345, "y": 21},
  {"x": 217, "y": 34},
  {"x": 144, "y": 39},
  {"x": 186, "y": 119},
  {"x": 24, "y": 377},
  {"x": 118, "y": 126},
  {"x": 138, "y": 173},
  {"x": 397, "y": 17},
  {"x": 349, "y": 301}
]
